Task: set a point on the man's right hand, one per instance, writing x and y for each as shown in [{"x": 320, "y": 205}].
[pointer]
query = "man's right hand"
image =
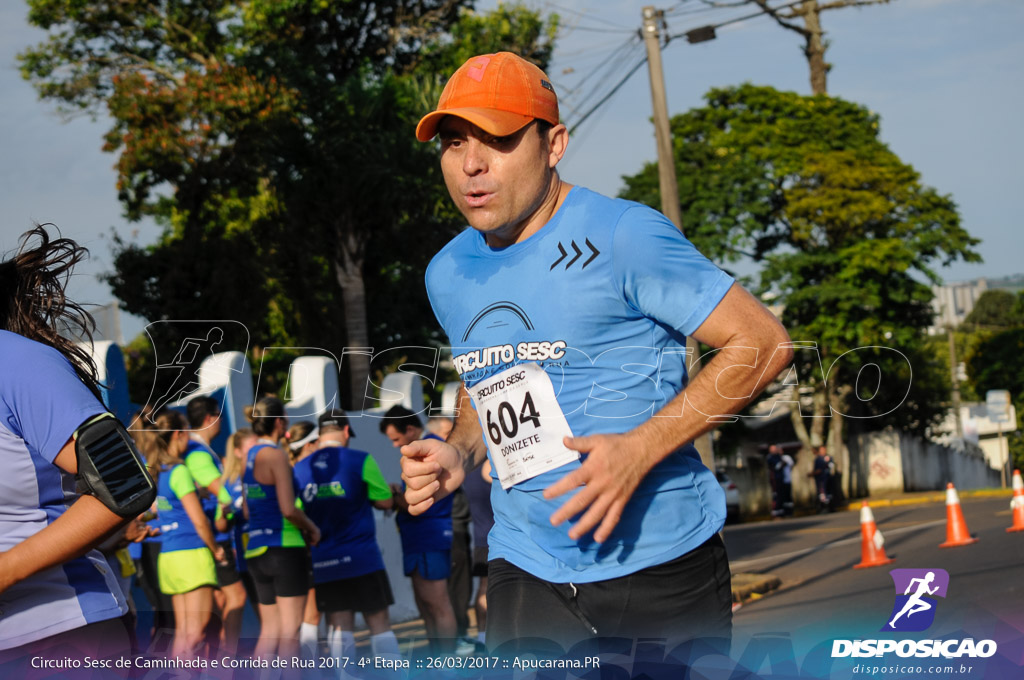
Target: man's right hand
[{"x": 432, "y": 469}]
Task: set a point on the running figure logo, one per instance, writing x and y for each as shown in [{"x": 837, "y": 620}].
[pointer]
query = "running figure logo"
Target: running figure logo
[
  {"x": 184, "y": 369},
  {"x": 914, "y": 609}
]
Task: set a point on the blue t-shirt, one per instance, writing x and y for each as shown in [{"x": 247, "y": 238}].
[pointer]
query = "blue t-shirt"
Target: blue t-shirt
[
  {"x": 430, "y": 531},
  {"x": 179, "y": 533},
  {"x": 602, "y": 297},
  {"x": 42, "y": 403},
  {"x": 337, "y": 486}
]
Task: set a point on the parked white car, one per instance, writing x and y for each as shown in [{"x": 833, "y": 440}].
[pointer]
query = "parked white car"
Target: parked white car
[{"x": 732, "y": 496}]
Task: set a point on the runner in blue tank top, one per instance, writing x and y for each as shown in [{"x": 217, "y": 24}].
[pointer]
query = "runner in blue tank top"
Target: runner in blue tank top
[
  {"x": 568, "y": 314},
  {"x": 339, "y": 488},
  {"x": 278, "y": 532},
  {"x": 188, "y": 551},
  {"x": 205, "y": 466}
]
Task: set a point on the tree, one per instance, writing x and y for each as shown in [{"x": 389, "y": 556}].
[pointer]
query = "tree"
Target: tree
[
  {"x": 847, "y": 235},
  {"x": 273, "y": 143},
  {"x": 997, "y": 363},
  {"x": 995, "y": 356},
  {"x": 997, "y": 309},
  {"x": 815, "y": 44}
]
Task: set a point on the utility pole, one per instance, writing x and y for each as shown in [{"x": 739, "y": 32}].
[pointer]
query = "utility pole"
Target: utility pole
[
  {"x": 666, "y": 159},
  {"x": 667, "y": 181},
  {"x": 955, "y": 381}
]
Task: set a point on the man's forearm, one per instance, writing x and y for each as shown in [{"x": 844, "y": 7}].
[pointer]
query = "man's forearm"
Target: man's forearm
[
  {"x": 78, "y": 530},
  {"x": 730, "y": 381},
  {"x": 466, "y": 436}
]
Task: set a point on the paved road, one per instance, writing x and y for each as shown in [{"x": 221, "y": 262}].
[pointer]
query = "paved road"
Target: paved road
[{"x": 823, "y": 597}]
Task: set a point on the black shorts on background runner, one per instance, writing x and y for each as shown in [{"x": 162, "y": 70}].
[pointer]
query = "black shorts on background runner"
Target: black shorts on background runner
[
  {"x": 367, "y": 593},
  {"x": 280, "y": 572}
]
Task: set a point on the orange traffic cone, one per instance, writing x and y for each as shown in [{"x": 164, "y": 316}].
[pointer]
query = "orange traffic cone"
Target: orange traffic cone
[
  {"x": 1017, "y": 504},
  {"x": 872, "y": 554},
  {"x": 956, "y": 527}
]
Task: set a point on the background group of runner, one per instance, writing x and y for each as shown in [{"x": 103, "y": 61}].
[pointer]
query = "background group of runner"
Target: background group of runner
[{"x": 285, "y": 521}]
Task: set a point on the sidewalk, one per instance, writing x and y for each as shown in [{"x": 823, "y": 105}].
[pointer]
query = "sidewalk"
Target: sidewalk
[{"x": 923, "y": 497}]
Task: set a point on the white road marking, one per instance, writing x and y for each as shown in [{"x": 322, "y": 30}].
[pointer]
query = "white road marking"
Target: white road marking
[{"x": 743, "y": 564}]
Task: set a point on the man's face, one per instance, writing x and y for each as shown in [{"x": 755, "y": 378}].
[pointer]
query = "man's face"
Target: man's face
[
  {"x": 500, "y": 184},
  {"x": 398, "y": 437},
  {"x": 211, "y": 426}
]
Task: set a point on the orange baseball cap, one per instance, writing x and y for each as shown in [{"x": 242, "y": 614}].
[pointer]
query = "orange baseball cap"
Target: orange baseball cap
[{"x": 499, "y": 93}]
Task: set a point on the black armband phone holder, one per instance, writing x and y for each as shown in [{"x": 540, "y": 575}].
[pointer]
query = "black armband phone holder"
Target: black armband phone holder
[{"x": 111, "y": 468}]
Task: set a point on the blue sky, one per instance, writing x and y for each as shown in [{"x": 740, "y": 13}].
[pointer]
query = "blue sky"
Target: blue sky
[{"x": 944, "y": 75}]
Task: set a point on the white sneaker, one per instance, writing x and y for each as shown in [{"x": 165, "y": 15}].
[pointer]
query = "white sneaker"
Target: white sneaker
[{"x": 464, "y": 647}]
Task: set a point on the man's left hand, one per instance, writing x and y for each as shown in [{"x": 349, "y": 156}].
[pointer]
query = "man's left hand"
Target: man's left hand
[{"x": 613, "y": 469}]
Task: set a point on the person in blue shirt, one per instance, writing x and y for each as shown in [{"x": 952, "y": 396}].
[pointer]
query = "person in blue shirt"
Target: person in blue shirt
[
  {"x": 206, "y": 468},
  {"x": 568, "y": 314},
  {"x": 188, "y": 551},
  {"x": 426, "y": 539},
  {"x": 822, "y": 471},
  {"x": 230, "y": 519},
  {"x": 277, "y": 534},
  {"x": 339, "y": 487},
  {"x": 58, "y": 596}
]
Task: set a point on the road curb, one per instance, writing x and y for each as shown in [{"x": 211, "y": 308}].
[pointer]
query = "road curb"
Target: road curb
[
  {"x": 751, "y": 586},
  {"x": 937, "y": 497}
]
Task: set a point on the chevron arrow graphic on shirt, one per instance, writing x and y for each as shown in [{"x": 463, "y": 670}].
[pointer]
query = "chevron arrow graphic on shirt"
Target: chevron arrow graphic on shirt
[
  {"x": 578, "y": 253},
  {"x": 593, "y": 250},
  {"x": 561, "y": 250},
  {"x": 563, "y": 253}
]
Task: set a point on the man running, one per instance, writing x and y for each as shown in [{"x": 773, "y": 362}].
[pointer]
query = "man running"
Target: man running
[{"x": 568, "y": 314}]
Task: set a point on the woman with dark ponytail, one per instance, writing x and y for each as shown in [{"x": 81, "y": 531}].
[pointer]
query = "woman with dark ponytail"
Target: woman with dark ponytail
[
  {"x": 57, "y": 594},
  {"x": 277, "y": 535}
]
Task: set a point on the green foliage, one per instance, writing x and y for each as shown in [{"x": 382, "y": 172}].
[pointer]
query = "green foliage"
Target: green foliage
[
  {"x": 273, "y": 142},
  {"x": 507, "y": 28},
  {"x": 997, "y": 363},
  {"x": 997, "y": 309},
  {"x": 847, "y": 235},
  {"x": 140, "y": 363}
]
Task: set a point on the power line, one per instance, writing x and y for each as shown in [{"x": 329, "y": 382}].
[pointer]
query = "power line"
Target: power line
[
  {"x": 694, "y": 35},
  {"x": 702, "y": 9},
  {"x": 613, "y": 56},
  {"x": 609, "y": 95},
  {"x": 592, "y": 29},
  {"x": 739, "y": 19},
  {"x": 584, "y": 52},
  {"x": 607, "y": 74},
  {"x": 582, "y": 15}
]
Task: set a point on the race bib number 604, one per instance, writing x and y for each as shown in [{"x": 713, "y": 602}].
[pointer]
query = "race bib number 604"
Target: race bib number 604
[{"x": 522, "y": 422}]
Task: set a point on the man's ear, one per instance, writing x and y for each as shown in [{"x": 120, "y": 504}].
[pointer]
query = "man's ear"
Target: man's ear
[{"x": 558, "y": 142}]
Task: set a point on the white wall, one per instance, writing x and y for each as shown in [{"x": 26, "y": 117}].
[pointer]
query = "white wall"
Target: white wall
[{"x": 898, "y": 462}]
